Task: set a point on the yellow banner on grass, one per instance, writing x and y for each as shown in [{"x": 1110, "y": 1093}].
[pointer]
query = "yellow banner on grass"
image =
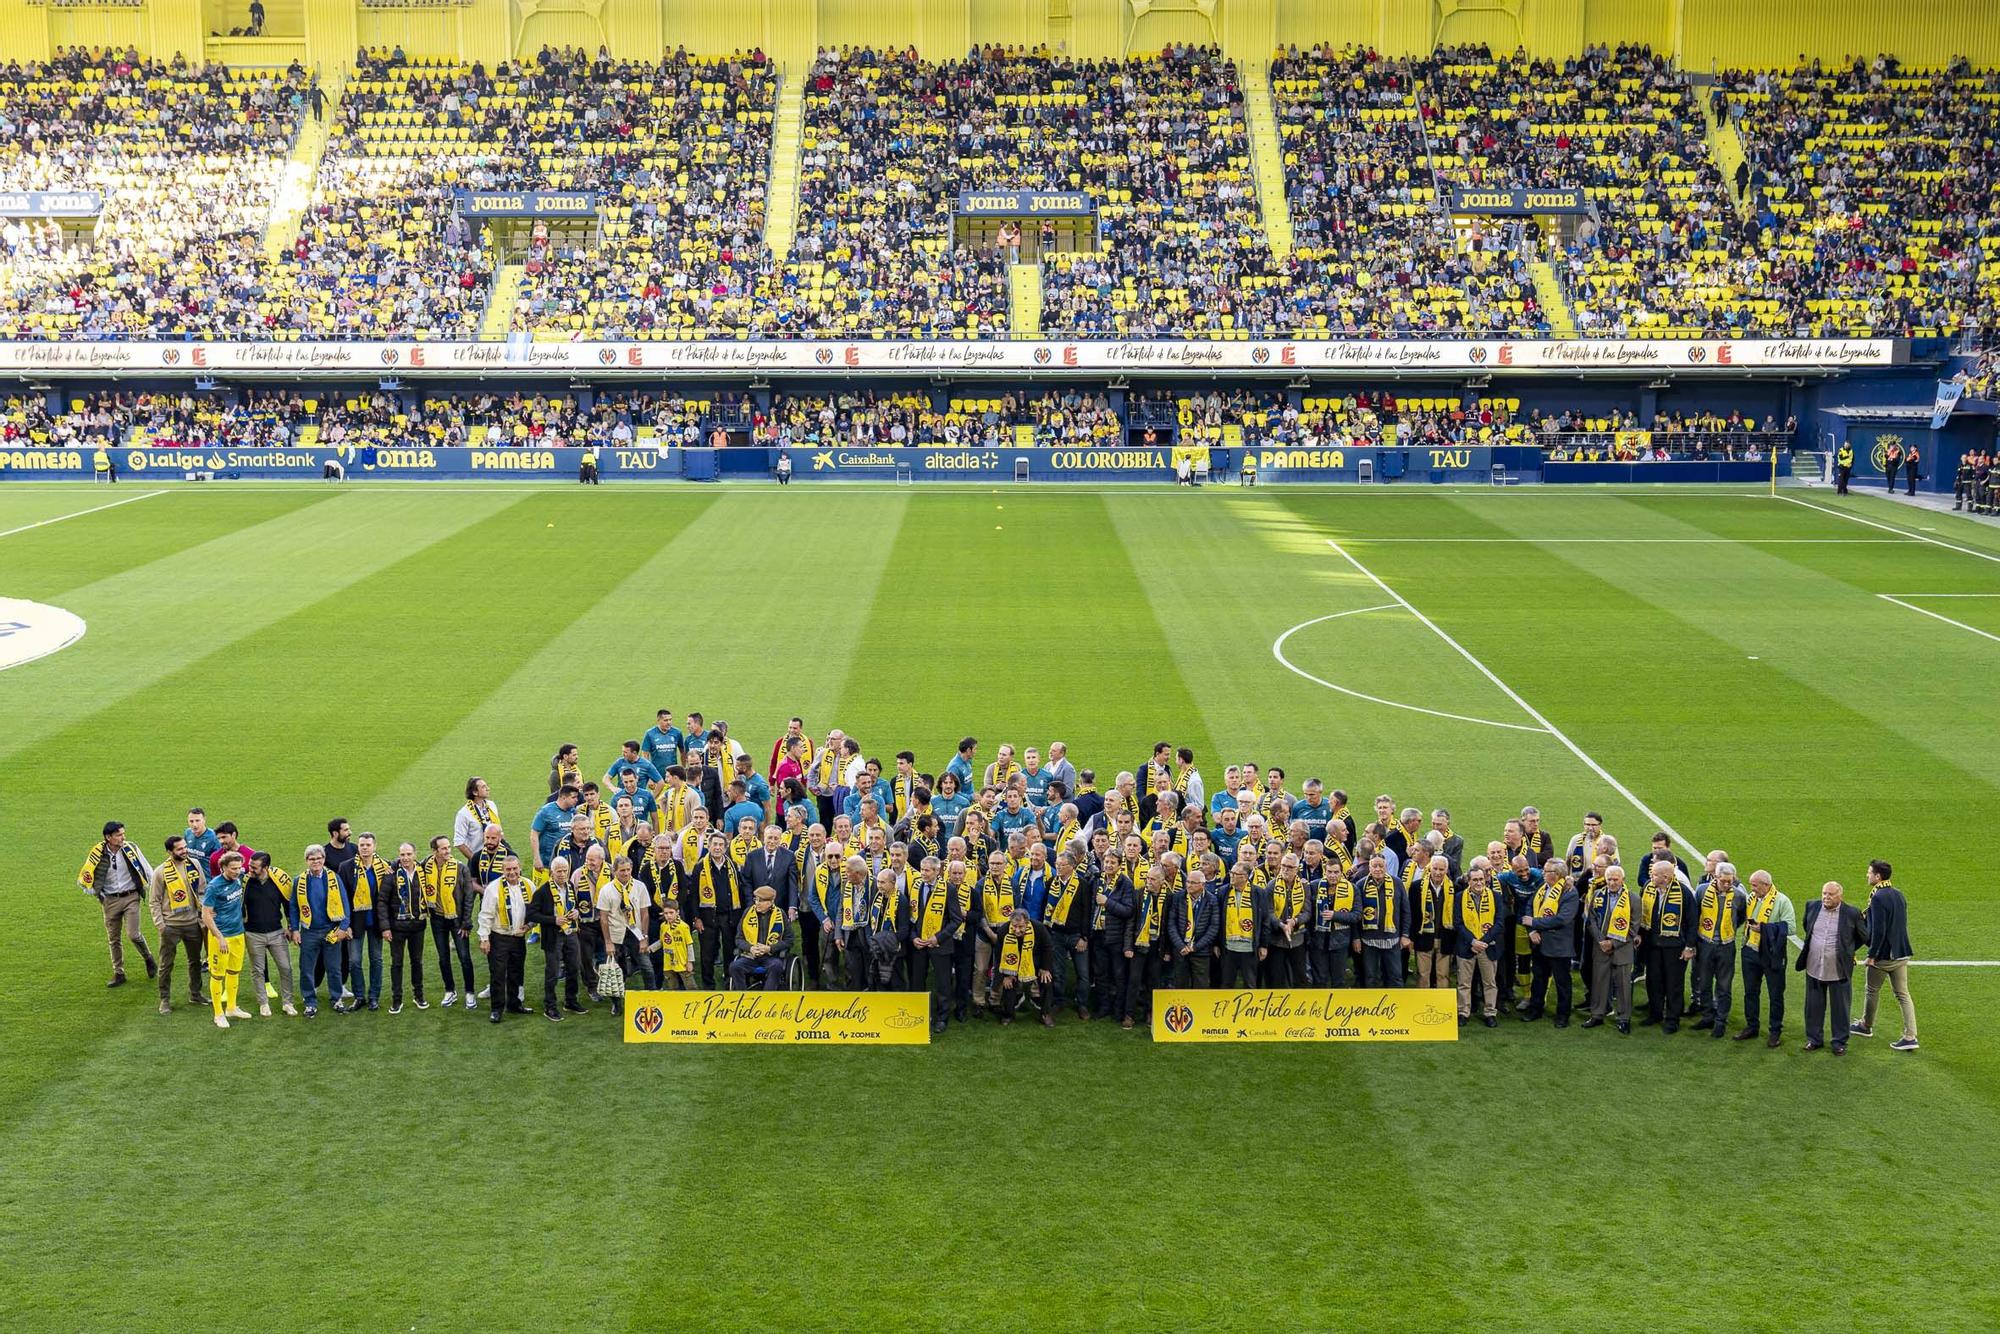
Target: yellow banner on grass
[
  {"x": 807, "y": 1018},
  {"x": 1306, "y": 1015}
]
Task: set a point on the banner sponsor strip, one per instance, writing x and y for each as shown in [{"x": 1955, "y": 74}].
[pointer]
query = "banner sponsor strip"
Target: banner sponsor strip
[
  {"x": 779, "y": 1018},
  {"x": 1306, "y": 1015},
  {"x": 1052, "y": 357}
]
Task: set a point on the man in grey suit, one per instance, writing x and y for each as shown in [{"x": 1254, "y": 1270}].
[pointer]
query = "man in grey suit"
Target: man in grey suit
[
  {"x": 1610, "y": 941},
  {"x": 1551, "y": 924},
  {"x": 1833, "y": 932}
]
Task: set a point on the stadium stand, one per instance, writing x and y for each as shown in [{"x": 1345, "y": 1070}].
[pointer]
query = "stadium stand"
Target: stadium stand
[
  {"x": 1375, "y": 253},
  {"x": 679, "y": 154},
  {"x": 1872, "y": 187},
  {"x": 1000, "y": 420},
  {"x": 186, "y": 160}
]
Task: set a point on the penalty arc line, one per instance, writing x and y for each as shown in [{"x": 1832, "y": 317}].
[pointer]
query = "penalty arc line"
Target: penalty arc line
[
  {"x": 1658, "y": 821},
  {"x": 94, "y": 509},
  {"x": 1278, "y": 652},
  {"x": 1578, "y": 751}
]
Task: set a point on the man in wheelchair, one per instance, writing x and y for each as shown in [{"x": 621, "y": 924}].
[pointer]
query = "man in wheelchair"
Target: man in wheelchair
[{"x": 761, "y": 943}]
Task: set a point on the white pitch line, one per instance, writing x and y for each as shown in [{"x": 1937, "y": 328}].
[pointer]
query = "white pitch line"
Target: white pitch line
[
  {"x": 1659, "y": 822},
  {"x": 1654, "y": 541},
  {"x": 1938, "y": 595},
  {"x": 1914, "y": 537},
  {"x": 1923, "y": 611},
  {"x": 1278, "y": 652},
  {"x": 94, "y": 509}
]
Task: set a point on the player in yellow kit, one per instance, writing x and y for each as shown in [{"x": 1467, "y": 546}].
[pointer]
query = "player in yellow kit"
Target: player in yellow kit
[{"x": 222, "y": 914}]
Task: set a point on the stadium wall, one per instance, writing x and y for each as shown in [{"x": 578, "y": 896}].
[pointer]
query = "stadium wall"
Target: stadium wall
[{"x": 1706, "y": 34}]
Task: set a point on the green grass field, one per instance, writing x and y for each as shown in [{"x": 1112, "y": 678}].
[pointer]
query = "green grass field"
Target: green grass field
[{"x": 281, "y": 655}]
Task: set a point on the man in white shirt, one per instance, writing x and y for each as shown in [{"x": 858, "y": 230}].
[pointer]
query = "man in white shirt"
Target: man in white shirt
[
  {"x": 623, "y": 904},
  {"x": 503, "y": 936},
  {"x": 468, "y": 827}
]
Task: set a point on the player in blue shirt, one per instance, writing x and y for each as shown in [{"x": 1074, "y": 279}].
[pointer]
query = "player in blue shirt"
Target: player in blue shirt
[
  {"x": 222, "y": 914},
  {"x": 664, "y": 742},
  {"x": 551, "y": 823},
  {"x": 632, "y": 759}
]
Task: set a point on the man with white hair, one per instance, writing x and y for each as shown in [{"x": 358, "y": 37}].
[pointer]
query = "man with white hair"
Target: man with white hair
[
  {"x": 1718, "y": 909},
  {"x": 1609, "y": 948},
  {"x": 1768, "y": 922},
  {"x": 1059, "y": 767}
]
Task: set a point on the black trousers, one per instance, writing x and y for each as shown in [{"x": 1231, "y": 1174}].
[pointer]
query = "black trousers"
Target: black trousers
[
  {"x": 1107, "y": 977},
  {"x": 406, "y": 936},
  {"x": 712, "y": 943},
  {"x": 1142, "y": 977},
  {"x": 1758, "y": 977},
  {"x": 809, "y": 944},
  {"x": 1817, "y": 995},
  {"x": 939, "y": 961},
  {"x": 1121, "y": 983},
  {"x": 1285, "y": 967},
  {"x": 1714, "y": 979},
  {"x": 562, "y": 959},
  {"x": 1191, "y": 970},
  {"x": 1546, "y": 968},
  {"x": 1381, "y": 966},
  {"x": 507, "y": 958},
  {"x": 444, "y": 933},
  {"x": 1010, "y": 993},
  {"x": 963, "y": 957},
  {"x": 860, "y": 969},
  {"x": 1239, "y": 968},
  {"x": 1666, "y": 983},
  {"x": 1328, "y": 957}
]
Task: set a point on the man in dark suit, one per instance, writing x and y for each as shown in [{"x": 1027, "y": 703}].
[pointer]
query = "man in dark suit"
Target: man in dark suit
[
  {"x": 1833, "y": 932},
  {"x": 1550, "y": 922},
  {"x": 774, "y": 866}
]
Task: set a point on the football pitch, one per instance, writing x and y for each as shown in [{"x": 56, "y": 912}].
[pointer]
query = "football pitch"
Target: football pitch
[{"x": 1806, "y": 681}]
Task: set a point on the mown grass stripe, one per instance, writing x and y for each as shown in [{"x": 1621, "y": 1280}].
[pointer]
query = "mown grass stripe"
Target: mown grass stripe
[{"x": 152, "y": 620}]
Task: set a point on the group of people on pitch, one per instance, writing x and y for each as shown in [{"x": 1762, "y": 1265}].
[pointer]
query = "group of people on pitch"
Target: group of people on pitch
[{"x": 1025, "y": 885}]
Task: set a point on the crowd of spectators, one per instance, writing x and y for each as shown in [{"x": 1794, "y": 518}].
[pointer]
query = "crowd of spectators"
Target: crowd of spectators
[
  {"x": 186, "y": 159},
  {"x": 1157, "y": 142},
  {"x": 1374, "y": 251},
  {"x": 1006, "y": 419},
  {"x": 1868, "y": 197},
  {"x": 1656, "y": 256},
  {"x": 1872, "y": 189},
  {"x": 678, "y": 152}
]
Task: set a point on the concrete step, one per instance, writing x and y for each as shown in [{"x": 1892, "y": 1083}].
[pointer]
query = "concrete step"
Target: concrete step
[
  {"x": 1267, "y": 156},
  {"x": 1024, "y": 294}
]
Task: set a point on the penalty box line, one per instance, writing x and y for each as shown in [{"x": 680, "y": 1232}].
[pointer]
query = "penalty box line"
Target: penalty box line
[{"x": 1636, "y": 802}]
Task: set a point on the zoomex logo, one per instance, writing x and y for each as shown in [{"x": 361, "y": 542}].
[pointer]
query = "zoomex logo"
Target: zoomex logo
[
  {"x": 648, "y": 1019},
  {"x": 1179, "y": 1019}
]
